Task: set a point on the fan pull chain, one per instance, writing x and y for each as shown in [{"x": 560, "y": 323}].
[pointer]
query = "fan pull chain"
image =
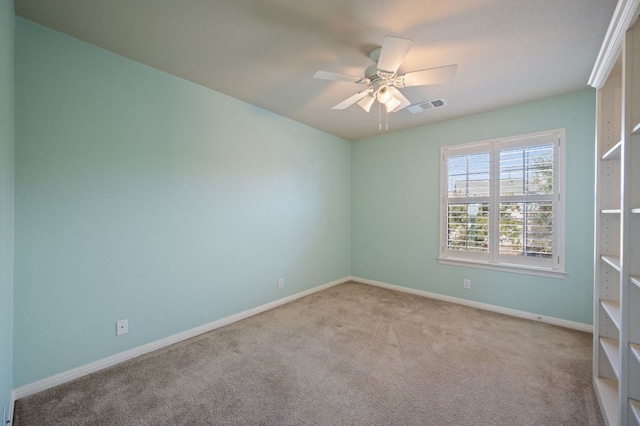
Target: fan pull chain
[{"x": 379, "y": 116}]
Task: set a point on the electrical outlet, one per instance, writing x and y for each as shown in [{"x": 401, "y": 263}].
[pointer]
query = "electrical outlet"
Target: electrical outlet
[
  {"x": 122, "y": 327},
  {"x": 467, "y": 284},
  {"x": 280, "y": 282}
]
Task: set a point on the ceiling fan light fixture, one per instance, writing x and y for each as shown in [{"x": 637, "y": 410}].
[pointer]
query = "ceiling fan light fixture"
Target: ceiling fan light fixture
[
  {"x": 392, "y": 104},
  {"x": 384, "y": 95},
  {"x": 366, "y": 102}
]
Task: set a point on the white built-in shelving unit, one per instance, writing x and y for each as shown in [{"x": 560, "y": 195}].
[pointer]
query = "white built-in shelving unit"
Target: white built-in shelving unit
[{"x": 616, "y": 334}]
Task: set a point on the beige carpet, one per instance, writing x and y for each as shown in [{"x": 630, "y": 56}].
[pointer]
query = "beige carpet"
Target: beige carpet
[{"x": 350, "y": 355}]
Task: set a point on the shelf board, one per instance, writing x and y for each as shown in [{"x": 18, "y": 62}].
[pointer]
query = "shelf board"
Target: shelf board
[
  {"x": 607, "y": 392},
  {"x": 635, "y": 350},
  {"x": 612, "y": 309},
  {"x": 636, "y": 129},
  {"x": 614, "y": 152},
  {"x": 611, "y": 348},
  {"x": 635, "y": 409},
  {"x": 610, "y": 211},
  {"x": 636, "y": 210},
  {"x": 613, "y": 261},
  {"x": 635, "y": 280}
]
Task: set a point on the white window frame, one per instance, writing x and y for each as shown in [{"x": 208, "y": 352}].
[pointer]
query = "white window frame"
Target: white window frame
[{"x": 550, "y": 267}]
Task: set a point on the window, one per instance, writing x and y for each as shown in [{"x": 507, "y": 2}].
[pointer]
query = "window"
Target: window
[{"x": 502, "y": 204}]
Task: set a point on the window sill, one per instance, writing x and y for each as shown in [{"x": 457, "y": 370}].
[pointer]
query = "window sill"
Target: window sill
[{"x": 518, "y": 269}]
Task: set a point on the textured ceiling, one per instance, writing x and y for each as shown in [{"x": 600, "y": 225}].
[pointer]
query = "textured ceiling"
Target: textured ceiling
[{"x": 265, "y": 52}]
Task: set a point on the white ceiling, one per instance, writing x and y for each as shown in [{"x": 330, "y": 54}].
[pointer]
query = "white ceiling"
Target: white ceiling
[{"x": 265, "y": 52}]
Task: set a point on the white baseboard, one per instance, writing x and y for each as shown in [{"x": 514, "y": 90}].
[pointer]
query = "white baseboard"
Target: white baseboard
[
  {"x": 12, "y": 404},
  {"x": 75, "y": 373},
  {"x": 484, "y": 306},
  {"x": 112, "y": 360}
]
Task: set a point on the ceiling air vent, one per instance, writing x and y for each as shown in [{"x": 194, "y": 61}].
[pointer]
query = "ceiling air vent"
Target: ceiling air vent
[{"x": 425, "y": 106}]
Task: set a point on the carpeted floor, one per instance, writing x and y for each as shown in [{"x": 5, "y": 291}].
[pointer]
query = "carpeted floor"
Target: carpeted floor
[{"x": 350, "y": 355}]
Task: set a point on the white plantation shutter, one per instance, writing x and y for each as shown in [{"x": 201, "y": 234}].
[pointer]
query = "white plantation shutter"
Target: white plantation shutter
[
  {"x": 468, "y": 225},
  {"x": 526, "y": 201},
  {"x": 468, "y": 189},
  {"x": 468, "y": 175},
  {"x": 526, "y": 229},
  {"x": 502, "y": 203}
]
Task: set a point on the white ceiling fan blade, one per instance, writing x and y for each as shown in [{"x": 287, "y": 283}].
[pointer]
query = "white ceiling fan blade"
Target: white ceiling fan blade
[
  {"x": 404, "y": 102},
  {"x": 325, "y": 75},
  {"x": 393, "y": 52},
  {"x": 439, "y": 75},
  {"x": 351, "y": 100}
]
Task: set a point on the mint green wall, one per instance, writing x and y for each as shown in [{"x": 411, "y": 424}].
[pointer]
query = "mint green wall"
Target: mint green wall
[
  {"x": 395, "y": 208},
  {"x": 6, "y": 200},
  {"x": 143, "y": 196}
]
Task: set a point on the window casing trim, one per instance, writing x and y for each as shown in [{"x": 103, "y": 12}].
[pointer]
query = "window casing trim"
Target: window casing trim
[
  {"x": 519, "y": 269},
  {"x": 553, "y": 266}
]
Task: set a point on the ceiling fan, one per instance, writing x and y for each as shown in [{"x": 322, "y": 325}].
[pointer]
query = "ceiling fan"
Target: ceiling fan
[{"x": 381, "y": 80}]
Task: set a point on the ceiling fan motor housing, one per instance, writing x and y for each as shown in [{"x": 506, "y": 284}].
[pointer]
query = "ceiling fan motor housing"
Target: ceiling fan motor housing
[{"x": 378, "y": 84}]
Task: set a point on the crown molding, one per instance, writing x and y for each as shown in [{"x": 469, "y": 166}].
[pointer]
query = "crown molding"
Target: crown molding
[{"x": 624, "y": 17}]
